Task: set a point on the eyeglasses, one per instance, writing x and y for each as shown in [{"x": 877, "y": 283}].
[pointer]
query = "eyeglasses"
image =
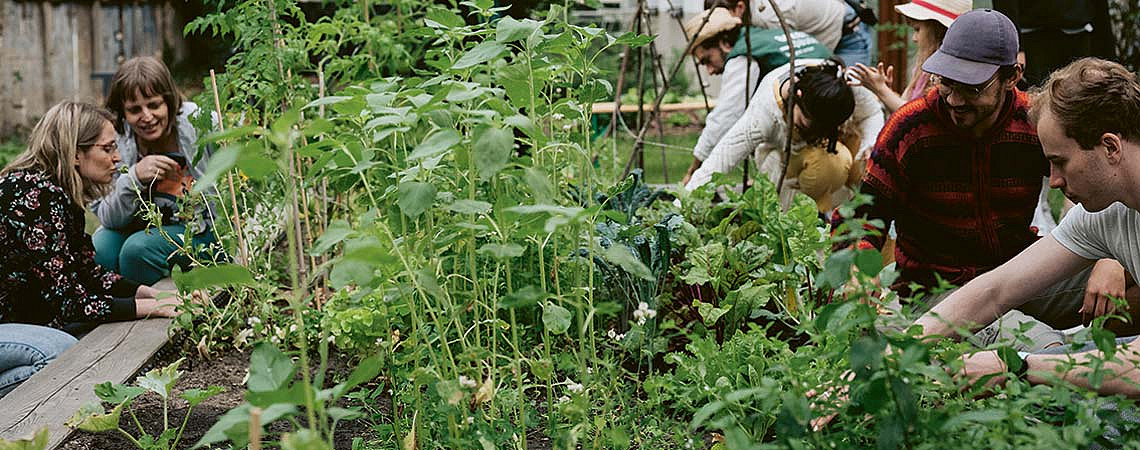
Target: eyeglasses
[
  {"x": 111, "y": 147},
  {"x": 968, "y": 91}
]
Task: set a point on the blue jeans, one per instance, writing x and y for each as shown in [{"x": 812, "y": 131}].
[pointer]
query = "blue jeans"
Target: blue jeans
[
  {"x": 25, "y": 349},
  {"x": 143, "y": 256},
  {"x": 855, "y": 46}
]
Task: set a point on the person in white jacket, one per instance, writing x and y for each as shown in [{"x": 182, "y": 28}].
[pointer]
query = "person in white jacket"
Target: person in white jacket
[
  {"x": 835, "y": 127},
  {"x": 720, "y": 45}
]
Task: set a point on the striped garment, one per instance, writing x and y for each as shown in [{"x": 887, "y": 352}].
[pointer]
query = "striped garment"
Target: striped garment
[{"x": 962, "y": 205}]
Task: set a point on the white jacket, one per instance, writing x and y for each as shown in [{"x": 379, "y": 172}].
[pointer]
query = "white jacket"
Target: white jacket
[
  {"x": 730, "y": 103},
  {"x": 762, "y": 129},
  {"x": 820, "y": 18}
]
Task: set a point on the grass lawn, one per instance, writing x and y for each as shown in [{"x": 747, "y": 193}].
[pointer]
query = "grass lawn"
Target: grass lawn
[{"x": 677, "y": 148}]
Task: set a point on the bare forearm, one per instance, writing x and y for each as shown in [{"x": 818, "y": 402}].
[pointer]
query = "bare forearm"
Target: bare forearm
[
  {"x": 1123, "y": 375},
  {"x": 972, "y": 307}
]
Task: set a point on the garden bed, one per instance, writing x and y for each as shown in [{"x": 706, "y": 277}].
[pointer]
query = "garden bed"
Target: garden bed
[{"x": 228, "y": 371}]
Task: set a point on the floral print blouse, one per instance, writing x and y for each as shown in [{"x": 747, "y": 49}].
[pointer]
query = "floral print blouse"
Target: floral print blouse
[{"x": 48, "y": 274}]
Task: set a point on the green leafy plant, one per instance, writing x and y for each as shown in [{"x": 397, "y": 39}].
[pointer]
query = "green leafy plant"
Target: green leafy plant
[{"x": 96, "y": 418}]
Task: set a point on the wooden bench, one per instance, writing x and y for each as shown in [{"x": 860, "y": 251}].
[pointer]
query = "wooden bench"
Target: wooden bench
[
  {"x": 608, "y": 107},
  {"x": 111, "y": 352}
]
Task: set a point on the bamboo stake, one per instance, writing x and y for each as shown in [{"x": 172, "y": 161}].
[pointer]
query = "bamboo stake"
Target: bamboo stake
[
  {"x": 235, "y": 218},
  {"x": 255, "y": 428},
  {"x": 639, "y": 144},
  {"x": 621, "y": 77}
]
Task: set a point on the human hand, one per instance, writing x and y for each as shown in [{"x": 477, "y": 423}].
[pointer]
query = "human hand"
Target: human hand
[
  {"x": 878, "y": 79},
  {"x": 145, "y": 291},
  {"x": 1106, "y": 281},
  {"x": 154, "y": 167},
  {"x": 982, "y": 364},
  {"x": 839, "y": 392}
]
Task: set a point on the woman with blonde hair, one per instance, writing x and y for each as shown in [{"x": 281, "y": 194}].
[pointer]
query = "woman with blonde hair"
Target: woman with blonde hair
[
  {"x": 930, "y": 19},
  {"x": 161, "y": 159},
  {"x": 49, "y": 281}
]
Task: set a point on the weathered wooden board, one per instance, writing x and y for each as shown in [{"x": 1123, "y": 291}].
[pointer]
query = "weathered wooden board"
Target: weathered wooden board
[
  {"x": 608, "y": 107},
  {"x": 112, "y": 352},
  {"x": 57, "y": 50}
]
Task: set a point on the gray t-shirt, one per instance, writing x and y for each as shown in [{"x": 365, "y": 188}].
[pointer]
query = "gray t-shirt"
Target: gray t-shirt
[{"x": 1112, "y": 233}]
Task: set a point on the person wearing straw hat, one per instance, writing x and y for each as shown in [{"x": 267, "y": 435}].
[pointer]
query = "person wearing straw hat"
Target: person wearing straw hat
[
  {"x": 959, "y": 171},
  {"x": 719, "y": 45}
]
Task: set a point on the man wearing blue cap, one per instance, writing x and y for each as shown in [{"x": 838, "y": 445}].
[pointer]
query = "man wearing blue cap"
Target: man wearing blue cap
[{"x": 960, "y": 171}]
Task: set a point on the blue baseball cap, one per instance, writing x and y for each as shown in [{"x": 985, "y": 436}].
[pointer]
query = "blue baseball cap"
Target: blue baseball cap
[{"x": 976, "y": 45}]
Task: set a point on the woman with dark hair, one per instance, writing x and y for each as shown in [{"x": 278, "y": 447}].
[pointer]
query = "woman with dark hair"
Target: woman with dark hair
[
  {"x": 834, "y": 125},
  {"x": 48, "y": 277},
  {"x": 161, "y": 160}
]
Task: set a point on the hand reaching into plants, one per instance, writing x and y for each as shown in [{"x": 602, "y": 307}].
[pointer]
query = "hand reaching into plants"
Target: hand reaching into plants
[
  {"x": 154, "y": 167},
  {"x": 982, "y": 364},
  {"x": 839, "y": 392},
  {"x": 1106, "y": 280}
]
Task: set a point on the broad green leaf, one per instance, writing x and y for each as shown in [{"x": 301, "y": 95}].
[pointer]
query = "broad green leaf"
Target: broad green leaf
[
  {"x": 117, "y": 393},
  {"x": 869, "y": 262},
  {"x": 510, "y": 30},
  {"x": 196, "y": 396},
  {"x": 621, "y": 256},
  {"x": 365, "y": 371},
  {"x": 543, "y": 368},
  {"x": 983, "y": 416},
  {"x": 39, "y": 441},
  {"x": 555, "y": 318},
  {"x": 443, "y": 18},
  {"x": 161, "y": 380},
  {"x": 522, "y": 298},
  {"x": 415, "y": 197},
  {"x": 481, "y": 53},
  {"x": 837, "y": 269},
  {"x": 256, "y": 165},
  {"x": 233, "y": 426},
  {"x": 229, "y": 134},
  {"x": 702, "y": 415},
  {"x": 334, "y": 234},
  {"x": 469, "y": 207},
  {"x": 327, "y": 101},
  {"x": 437, "y": 143},
  {"x": 213, "y": 276},
  {"x": 304, "y": 439},
  {"x": 91, "y": 417},
  {"x": 221, "y": 162},
  {"x": 633, "y": 39},
  {"x": 269, "y": 369},
  {"x": 709, "y": 313},
  {"x": 493, "y": 148},
  {"x": 344, "y": 413},
  {"x": 502, "y": 251},
  {"x": 539, "y": 183}
]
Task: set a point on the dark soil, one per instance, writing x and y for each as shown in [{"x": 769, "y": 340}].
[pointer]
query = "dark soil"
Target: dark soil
[{"x": 227, "y": 371}]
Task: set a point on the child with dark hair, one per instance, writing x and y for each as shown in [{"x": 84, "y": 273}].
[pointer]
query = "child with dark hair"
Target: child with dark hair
[
  {"x": 834, "y": 126},
  {"x": 160, "y": 152}
]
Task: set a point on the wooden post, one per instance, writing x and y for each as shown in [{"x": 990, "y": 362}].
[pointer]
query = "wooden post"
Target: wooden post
[{"x": 243, "y": 255}]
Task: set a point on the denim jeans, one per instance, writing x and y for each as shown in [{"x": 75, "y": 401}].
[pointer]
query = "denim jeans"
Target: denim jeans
[
  {"x": 25, "y": 349},
  {"x": 143, "y": 256},
  {"x": 854, "y": 46}
]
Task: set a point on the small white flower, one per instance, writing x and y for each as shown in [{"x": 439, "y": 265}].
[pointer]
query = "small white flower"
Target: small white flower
[
  {"x": 557, "y": 116},
  {"x": 293, "y": 328},
  {"x": 470, "y": 420},
  {"x": 568, "y": 127},
  {"x": 590, "y": 370},
  {"x": 563, "y": 399},
  {"x": 574, "y": 387},
  {"x": 466, "y": 382},
  {"x": 253, "y": 320}
]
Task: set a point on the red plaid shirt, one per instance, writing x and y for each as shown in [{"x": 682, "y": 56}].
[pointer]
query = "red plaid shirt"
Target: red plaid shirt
[{"x": 962, "y": 205}]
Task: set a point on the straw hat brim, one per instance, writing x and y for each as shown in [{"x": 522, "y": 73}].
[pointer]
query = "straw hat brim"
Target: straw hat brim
[{"x": 918, "y": 12}]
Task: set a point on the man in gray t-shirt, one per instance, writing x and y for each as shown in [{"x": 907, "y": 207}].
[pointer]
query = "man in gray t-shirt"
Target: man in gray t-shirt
[{"x": 1088, "y": 120}]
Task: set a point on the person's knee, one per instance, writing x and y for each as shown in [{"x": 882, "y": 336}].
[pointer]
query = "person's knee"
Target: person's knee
[
  {"x": 107, "y": 245},
  {"x": 145, "y": 257}
]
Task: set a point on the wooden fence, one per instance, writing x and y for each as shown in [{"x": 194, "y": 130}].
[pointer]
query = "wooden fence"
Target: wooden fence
[{"x": 58, "y": 50}]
